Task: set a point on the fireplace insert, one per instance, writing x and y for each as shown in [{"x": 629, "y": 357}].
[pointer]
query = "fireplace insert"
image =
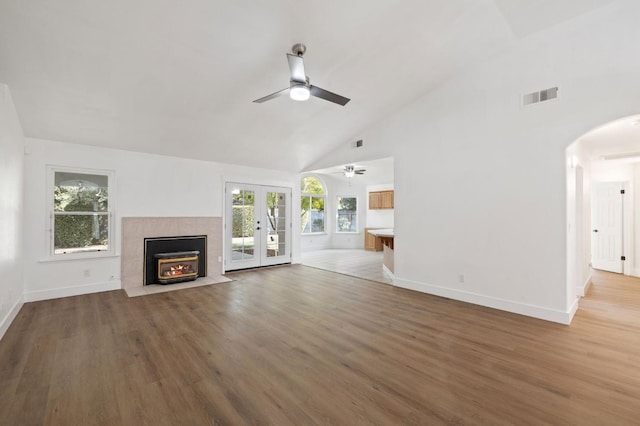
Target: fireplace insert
[
  {"x": 169, "y": 246},
  {"x": 177, "y": 266}
]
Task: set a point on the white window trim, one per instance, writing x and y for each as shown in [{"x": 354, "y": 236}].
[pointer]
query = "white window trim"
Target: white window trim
[
  {"x": 324, "y": 231},
  {"x": 357, "y": 214},
  {"x": 49, "y": 226},
  {"x": 306, "y": 194}
]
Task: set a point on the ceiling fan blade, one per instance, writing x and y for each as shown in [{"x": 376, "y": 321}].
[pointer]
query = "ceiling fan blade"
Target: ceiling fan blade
[
  {"x": 296, "y": 66},
  {"x": 360, "y": 172},
  {"x": 328, "y": 96},
  {"x": 271, "y": 96}
]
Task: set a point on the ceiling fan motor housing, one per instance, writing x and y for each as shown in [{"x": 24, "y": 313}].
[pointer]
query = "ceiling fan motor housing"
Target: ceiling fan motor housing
[{"x": 299, "y": 49}]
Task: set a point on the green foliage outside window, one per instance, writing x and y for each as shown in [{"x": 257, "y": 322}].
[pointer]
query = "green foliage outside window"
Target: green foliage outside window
[
  {"x": 347, "y": 214},
  {"x": 311, "y": 205},
  {"x": 242, "y": 222},
  {"x": 81, "y": 218}
]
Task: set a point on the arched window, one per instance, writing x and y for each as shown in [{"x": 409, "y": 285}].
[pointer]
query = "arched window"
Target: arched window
[{"x": 311, "y": 205}]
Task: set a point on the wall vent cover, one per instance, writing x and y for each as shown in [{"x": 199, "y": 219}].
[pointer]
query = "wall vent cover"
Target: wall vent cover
[
  {"x": 358, "y": 144},
  {"x": 541, "y": 96}
]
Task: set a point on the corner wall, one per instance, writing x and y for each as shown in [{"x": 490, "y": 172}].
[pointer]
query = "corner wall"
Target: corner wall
[{"x": 11, "y": 211}]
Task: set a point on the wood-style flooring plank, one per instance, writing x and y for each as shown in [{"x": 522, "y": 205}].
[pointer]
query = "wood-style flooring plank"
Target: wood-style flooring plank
[{"x": 298, "y": 345}]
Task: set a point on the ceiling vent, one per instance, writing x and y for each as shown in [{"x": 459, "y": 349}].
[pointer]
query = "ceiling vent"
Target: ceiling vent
[
  {"x": 541, "y": 96},
  {"x": 358, "y": 144}
]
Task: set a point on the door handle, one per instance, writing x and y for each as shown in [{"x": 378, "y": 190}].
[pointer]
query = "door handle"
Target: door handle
[{"x": 595, "y": 230}]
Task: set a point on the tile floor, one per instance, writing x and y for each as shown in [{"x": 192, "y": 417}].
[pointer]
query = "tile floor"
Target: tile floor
[{"x": 355, "y": 262}]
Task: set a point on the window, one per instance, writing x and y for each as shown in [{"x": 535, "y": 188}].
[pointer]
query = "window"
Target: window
[
  {"x": 347, "y": 220},
  {"x": 311, "y": 205},
  {"x": 80, "y": 212}
]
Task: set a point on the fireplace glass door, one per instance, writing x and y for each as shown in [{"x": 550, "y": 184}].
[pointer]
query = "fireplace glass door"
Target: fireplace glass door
[{"x": 258, "y": 226}]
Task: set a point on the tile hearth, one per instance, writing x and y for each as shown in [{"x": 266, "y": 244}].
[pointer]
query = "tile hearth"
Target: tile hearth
[{"x": 159, "y": 288}]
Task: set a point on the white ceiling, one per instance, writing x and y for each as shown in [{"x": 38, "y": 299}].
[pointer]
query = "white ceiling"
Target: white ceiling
[
  {"x": 617, "y": 137},
  {"x": 378, "y": 172},
  {"x": 179, "y": 78}
]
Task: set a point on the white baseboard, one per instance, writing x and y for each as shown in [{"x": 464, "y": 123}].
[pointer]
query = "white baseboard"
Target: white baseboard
[
  {"x": 562, "y": 317},
  {"x": 11, "y": 315},
  {"x": 582, "y": 290},
  {"x": 55, "y": 293},
  {"x": 388, "y": 272}
]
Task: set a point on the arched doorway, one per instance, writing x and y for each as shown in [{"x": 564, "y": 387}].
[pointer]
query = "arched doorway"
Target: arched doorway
[{"x": 603, "y": 179}]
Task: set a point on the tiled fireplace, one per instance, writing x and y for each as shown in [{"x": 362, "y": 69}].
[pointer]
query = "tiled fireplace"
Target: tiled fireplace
[{"x": 136, "y": 231}]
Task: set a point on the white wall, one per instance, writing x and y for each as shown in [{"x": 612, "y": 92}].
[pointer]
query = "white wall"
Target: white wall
[
  {"x": 492, "y": 173},
  {"x": 11, "y": 211},
  {"x": 142, "y": 184},
  {"x": 338, "y": 186},
  {"x": 379, "y": 218}
]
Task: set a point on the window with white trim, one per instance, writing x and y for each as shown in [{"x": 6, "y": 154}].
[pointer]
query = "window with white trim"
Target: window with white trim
[
  {"x": 347, "y": 214},
  {"x": 312, "y": 200},
  {"x": 81, "y": 212}
]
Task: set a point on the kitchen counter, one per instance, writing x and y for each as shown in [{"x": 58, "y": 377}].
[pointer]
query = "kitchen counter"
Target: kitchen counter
[
  {"x": 387, "y": 236},
  {"x": 382, "y": 232}
]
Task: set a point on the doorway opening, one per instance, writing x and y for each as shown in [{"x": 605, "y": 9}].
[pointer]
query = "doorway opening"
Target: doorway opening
[
  {"x": 347, "y": 215},
  {"x": 603, "y": 177}
]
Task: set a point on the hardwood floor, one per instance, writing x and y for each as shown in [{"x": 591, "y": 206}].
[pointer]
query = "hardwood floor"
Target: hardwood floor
[{"x": 298, "y": 345}]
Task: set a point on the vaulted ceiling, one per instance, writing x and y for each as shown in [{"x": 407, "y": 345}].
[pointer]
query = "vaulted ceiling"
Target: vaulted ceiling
[{"x": 179, "y": 78}]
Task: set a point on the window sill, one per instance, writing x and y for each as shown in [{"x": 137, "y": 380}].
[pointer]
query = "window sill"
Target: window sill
[
  {"x": 348, "y": 233},
  {"x": 70, "y": 258},
  {"x": 311, "y": 234}
]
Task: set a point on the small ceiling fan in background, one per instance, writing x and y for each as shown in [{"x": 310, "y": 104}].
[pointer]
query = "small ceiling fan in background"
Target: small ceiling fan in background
[
  {"x": 299, "y": 88},
  {"x": 350, "y": 170}
]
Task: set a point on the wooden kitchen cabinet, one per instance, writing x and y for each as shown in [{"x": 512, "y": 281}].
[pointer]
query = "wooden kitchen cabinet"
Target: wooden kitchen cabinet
[
  {"x": 371, "y": 242},
  {"x": 386, "y": 199},
  {"x": 379, "y": 200},
  {"x": 375, "y": 200}
]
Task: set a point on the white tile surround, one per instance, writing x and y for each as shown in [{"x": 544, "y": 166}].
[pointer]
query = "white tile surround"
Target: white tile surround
[{"x": 136, "y": 229}]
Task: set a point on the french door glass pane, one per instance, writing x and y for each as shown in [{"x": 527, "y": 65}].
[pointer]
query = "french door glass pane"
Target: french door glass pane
[
  {"x": 276, "y": 220},
  {"x": 242, "y": 233}
]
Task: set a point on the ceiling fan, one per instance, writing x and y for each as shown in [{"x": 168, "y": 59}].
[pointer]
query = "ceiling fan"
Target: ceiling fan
[
  {"x": 351, "y": 170},
  {"x": 299, "y": 88}
]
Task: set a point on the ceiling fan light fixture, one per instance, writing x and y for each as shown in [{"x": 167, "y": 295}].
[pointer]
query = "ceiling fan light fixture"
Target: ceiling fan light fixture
[
  {"x": 299, "y": 92},
  {"x": 349, "y": 171}
]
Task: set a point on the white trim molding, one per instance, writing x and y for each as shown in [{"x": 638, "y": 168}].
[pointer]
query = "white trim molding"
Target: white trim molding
[
  {"x": 54, "y": 293},
  {"x": 389, "y": 273},
  {"x": 11, "y": 315},
  {"x": 562, "y": 317},
  {"x": 581, "y": 291}
]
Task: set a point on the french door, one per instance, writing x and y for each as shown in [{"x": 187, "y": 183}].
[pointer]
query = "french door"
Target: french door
[{"x": 257, "y": 225}]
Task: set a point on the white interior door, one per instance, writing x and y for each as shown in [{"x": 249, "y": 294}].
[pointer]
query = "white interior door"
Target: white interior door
[
  {"x": 257, "y": 226},
  {"x": 606, "y": 226}
]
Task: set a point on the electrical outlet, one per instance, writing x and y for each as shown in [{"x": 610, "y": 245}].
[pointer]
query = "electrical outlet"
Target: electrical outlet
[
  {"x": 87, "y": 273},
  {"x": 461, "y": 278},
  {"x": 219, "y": 259}
]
